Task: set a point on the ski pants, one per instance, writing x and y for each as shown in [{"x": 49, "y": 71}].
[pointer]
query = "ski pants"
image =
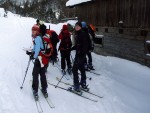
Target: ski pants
[
  {"x": 36, "y": 71},
  {"x": 79, "y": 65},
  {"x": 65, "y": 57},
  {"x": 89, "y": 58},
  {"x": 55, "y": 53}
]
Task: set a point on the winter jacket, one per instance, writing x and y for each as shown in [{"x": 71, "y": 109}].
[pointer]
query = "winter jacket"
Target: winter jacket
[
  {"x": 38, "y": 46},
  {"x": 88, "y": 38},
  {"x": 65, "y": 38},
  {"x": 81, "y": 43}
]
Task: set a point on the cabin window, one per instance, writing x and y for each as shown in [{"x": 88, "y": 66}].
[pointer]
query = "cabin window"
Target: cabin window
[
  {"x": 99, "y": 40},
  {"x": 106, "y": 30},
  {"x": 147, "y": 48}
]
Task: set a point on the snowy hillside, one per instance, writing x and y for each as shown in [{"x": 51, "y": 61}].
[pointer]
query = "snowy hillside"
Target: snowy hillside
[{"x": 124, "y": 85}]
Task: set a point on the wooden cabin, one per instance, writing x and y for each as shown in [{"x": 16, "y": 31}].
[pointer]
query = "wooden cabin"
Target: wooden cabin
[{"x": 123, "y": 27}]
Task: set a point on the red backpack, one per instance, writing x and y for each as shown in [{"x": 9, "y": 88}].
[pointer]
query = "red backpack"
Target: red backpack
[
  {"x": 47, "y": 51},
  {"x": 65, "y": 43}
]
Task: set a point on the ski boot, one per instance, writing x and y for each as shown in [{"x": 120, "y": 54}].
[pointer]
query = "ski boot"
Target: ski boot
[
  {"x": 63, "y": 72},
  {"x": 86, "y": 67},
  {"x": 35, "y": 94},
  {"x": 90, "y": 66},
  {"x": 76, "y": 89},
  {"x": 44, "y": 93},
  {"x": 84, "y": 87},
  {"x": 69, "y": 71}
]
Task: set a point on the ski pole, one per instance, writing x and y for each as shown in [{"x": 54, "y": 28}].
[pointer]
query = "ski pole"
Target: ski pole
[
  {"x": 25, "y": 73},
  {"x": 59, "y": 80}
]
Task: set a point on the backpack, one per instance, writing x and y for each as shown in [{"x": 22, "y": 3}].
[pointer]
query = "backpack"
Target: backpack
[
  {"x": 47, "y": 51},
  {"x": 48, "y": 48},
  {"x": 42, "y": 29},
  {"x": 65, "y": 43},
  {"x": 54, "y": 37}
]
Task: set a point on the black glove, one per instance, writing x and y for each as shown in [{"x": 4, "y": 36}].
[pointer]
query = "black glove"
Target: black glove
[
  {"x": 28, "y": 53},
  {"x": 31, "y": 56}
]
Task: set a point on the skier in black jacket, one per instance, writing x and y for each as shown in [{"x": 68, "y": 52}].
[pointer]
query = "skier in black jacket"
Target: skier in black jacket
[{"x": 81, "y": 47}]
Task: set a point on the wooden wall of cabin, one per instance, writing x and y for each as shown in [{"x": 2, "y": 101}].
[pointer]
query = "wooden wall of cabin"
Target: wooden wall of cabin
[{"x": 134, "y": 13}]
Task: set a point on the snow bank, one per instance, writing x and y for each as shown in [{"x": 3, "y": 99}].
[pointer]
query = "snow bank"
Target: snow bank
[{"x": 2, "y": 12}]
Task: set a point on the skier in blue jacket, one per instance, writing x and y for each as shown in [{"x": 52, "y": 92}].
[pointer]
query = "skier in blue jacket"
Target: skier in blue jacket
[{"x": 38, "y": 68}]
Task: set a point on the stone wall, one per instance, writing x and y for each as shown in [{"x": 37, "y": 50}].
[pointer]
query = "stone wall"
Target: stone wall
[{"x": 127, "y": 43}]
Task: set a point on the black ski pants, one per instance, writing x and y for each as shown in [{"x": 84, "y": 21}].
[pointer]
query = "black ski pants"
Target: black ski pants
[
  {"x": 55, "y": 51},
  {"x": 79, "y": 65},
  {"x": 89, "y": 58},
  {"x": 65, "y": 57},
  {"x": 36, "y": 71}
]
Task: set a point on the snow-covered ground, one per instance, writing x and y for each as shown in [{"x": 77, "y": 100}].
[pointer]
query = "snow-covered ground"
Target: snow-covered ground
[{"x": 124, "y": 85}]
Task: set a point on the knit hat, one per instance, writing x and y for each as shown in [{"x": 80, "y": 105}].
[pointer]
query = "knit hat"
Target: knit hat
[
  {"x": 36, "y": 28},
  {"x": 65, "y": 27},
  {"x": 84, "y": 25},
  {"x": 79, "y": 24},
  {"x": 37, "y": 21}
]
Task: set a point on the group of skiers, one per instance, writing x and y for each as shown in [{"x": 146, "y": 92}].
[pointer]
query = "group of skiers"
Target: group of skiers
[{"x": 45, "y": 50}]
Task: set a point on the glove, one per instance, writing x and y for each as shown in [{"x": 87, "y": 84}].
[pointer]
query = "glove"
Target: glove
[
  {"x": 31, "y": 56},
  {"x": 28, "y": 53}
]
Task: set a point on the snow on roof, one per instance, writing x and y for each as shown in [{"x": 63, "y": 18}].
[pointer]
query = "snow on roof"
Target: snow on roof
[
  {"x": 2, "y": 12},
  {"x": 75, "y": 2}
]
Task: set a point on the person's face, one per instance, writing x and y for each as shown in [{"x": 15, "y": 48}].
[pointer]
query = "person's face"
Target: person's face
[
  {"x": 33, "y": 32},
  {"x": 77, "y": 27}
]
